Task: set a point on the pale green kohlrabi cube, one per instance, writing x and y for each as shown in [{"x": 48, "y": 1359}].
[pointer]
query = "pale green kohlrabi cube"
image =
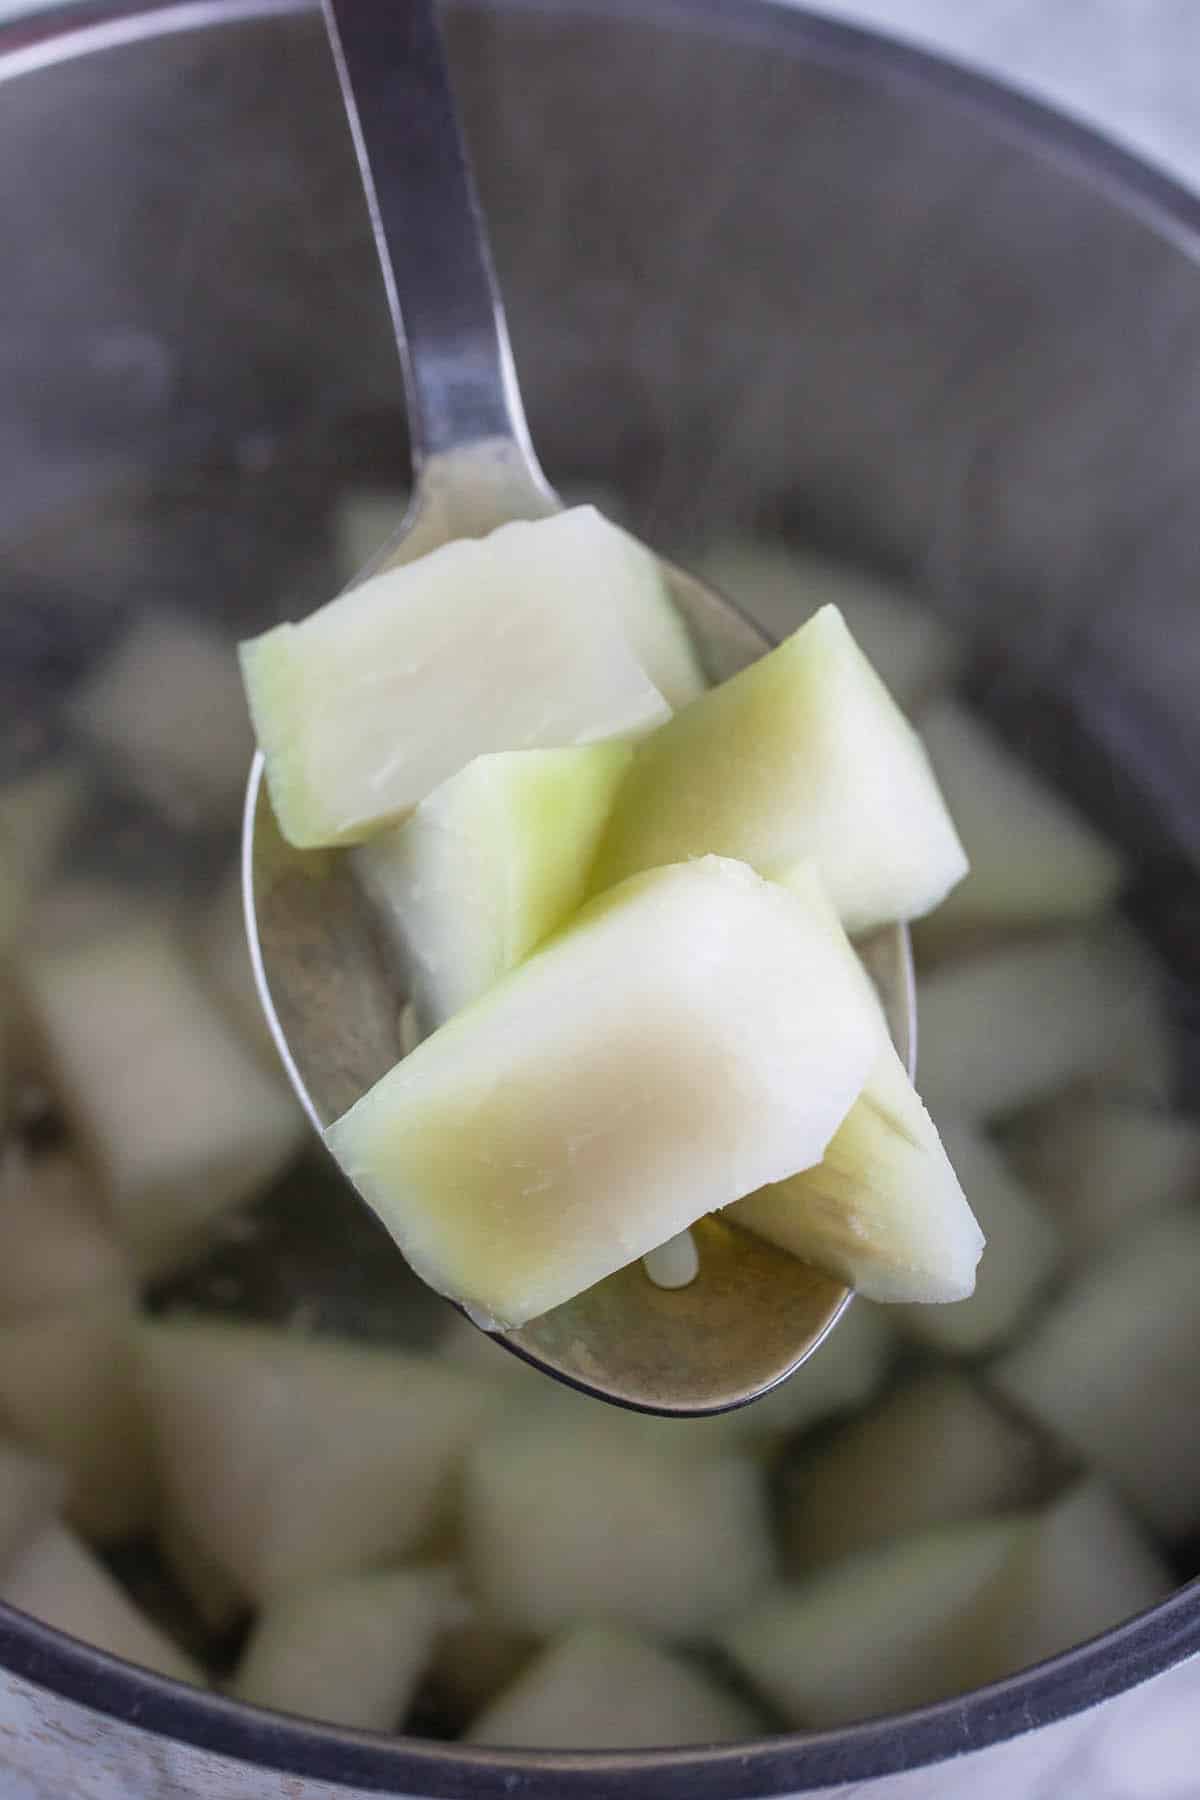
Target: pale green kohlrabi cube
[
  {"x": 1034, "y": 859},
  {"x": 490, "y": 864},
  {"x": 883, "y": 1209},
  {"x": 803, "y": 754},
  {"x": 58, "y": 1580},
  {"x": 511, "y": 642},
  {"x": 350, "y": 1650},
  {"x": 693, "y": 1033}
]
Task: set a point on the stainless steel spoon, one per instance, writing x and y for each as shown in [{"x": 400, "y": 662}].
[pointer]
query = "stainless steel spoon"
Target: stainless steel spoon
[{"x": 753, "y": 1313}]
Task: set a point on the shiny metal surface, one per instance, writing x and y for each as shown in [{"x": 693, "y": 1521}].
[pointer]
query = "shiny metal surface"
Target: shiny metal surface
[{"x": 753, "y": 1314}]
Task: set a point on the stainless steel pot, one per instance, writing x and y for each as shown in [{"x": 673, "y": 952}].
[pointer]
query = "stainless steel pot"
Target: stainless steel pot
[{"x": 762, "y": 271}]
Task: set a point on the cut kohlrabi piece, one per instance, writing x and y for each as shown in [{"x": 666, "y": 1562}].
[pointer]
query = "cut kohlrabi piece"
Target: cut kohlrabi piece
[
  {"x": 913, "y": 652},
  {"x": 1112, "y": 1370},
  {"x": 931, "y": 1452},
  {"x": 58, "y": 1580},
  {"x": 490, "y": 864},
  {"x": 54, "y": 1247},
  {"x": 598, "y": 1688},
  {"x": 1010, "y": 1026},
  {"x": 69, "y": 1390},
  {"x": 167, "y": 710},
  {"x": 348, "y": 1651},
  {"x": 1085, "y": 1567},
  {"x": 1105, "y": 1166},
  {"x": 510, "y": 642},
  {"x": 32, "y": 1491},
  {"x": 877, "y": 1632},
  {"x": 37, "y": 811},
  {"x": 693, "y": 1033},
  {"x": 181, "y": 1120},
  {"x": 290, "y": 1459},
  {"x": 802, "y": 755},
  {"x": 1023, "y": 1254},
  {"x": 1034, "y": 860},
  {"x": 883, "y": 1209},
  {"x": 620, "y": 1531}
]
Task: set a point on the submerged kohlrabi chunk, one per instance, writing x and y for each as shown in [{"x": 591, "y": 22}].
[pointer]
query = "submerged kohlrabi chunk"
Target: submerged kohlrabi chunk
[
  {"x": 694, "y": 1033},
  {"x": 69, "y": 1390},
  {"x": 289, "y": 1459},
  {"x": 566, "y": 1524},
  {"x": 1034, "y": 860},
  {"x": 876, "y": 1632},
  {"x": 490, "y": 864},
  {"x": 914, "y": 652},
  {"x": 180, "y": 1119},
  {"x": 934, "y": 1450},
  {"x": 510, "y": 642},
  {"x": 349, "y": 1651},
  {"x": 165, "y": 708},
  {"x": 56, "y": 1578},
  {"x": 802, "y": 755},
  {"x": 1112, "y": 1370},
  {"x": 597, "y": 1688}
]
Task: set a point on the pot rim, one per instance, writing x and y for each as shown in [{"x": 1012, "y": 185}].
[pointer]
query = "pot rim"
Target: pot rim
[{"x": 785, "y": 1764}]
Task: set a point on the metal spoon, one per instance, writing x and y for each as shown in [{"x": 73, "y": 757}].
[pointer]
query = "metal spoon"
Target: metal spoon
[{"x": 753, "y": 1313}]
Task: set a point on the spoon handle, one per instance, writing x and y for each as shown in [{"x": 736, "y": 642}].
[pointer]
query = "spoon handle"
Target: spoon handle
[{"x": 429, "y": 231}]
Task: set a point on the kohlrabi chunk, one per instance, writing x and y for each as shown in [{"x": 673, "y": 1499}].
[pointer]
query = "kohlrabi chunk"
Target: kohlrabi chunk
[
  {"x": 69, "y": 1390},
  {"x": 884, "y": 1209},
  {"x": 802, "y": 755},
  {"x": 180, "y": 1118},
  {"x": 618, "y": 1531},
  {"x": 490, "y": 864},
  {"x": 933, "y": 1451},
  {"x": 913, "y": 652},
  {"x": 290, "y": 1459},
  {"x": 58, "y": 1580},
  {"x": 1085, "y": 1567},
  {"x": 54, "y": 1247},
  {"x": 349, "y": 1651},
  {"x": 1024, "y": 1250},
  {"x": 1007, "y": 1027},
  {"x": 32, "y": 1491},
  {"x": 1112, "y": 1370},
  {"x": 694, "y": 1033},
  {"x": 1034, "y": 860},
  {"x": 511, "y": 642},
  {"x": 1105, "y": 1166},
  {"x": 877, "y": 1632},
  {"x": 166, "y": 709},
  {"x": 598, "y": 1688}
]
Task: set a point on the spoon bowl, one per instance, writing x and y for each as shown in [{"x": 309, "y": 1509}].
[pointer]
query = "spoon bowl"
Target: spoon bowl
[{"x": 752, "y": 1313}]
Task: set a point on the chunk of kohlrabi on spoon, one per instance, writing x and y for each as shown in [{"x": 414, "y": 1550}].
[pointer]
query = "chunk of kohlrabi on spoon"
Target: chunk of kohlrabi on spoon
[
  {"x": 490, "y": 864},
  {"x": 514, "y": 641},
  {"x": 692, "y": 1034},
  {"x": 802, "y": 755}
]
